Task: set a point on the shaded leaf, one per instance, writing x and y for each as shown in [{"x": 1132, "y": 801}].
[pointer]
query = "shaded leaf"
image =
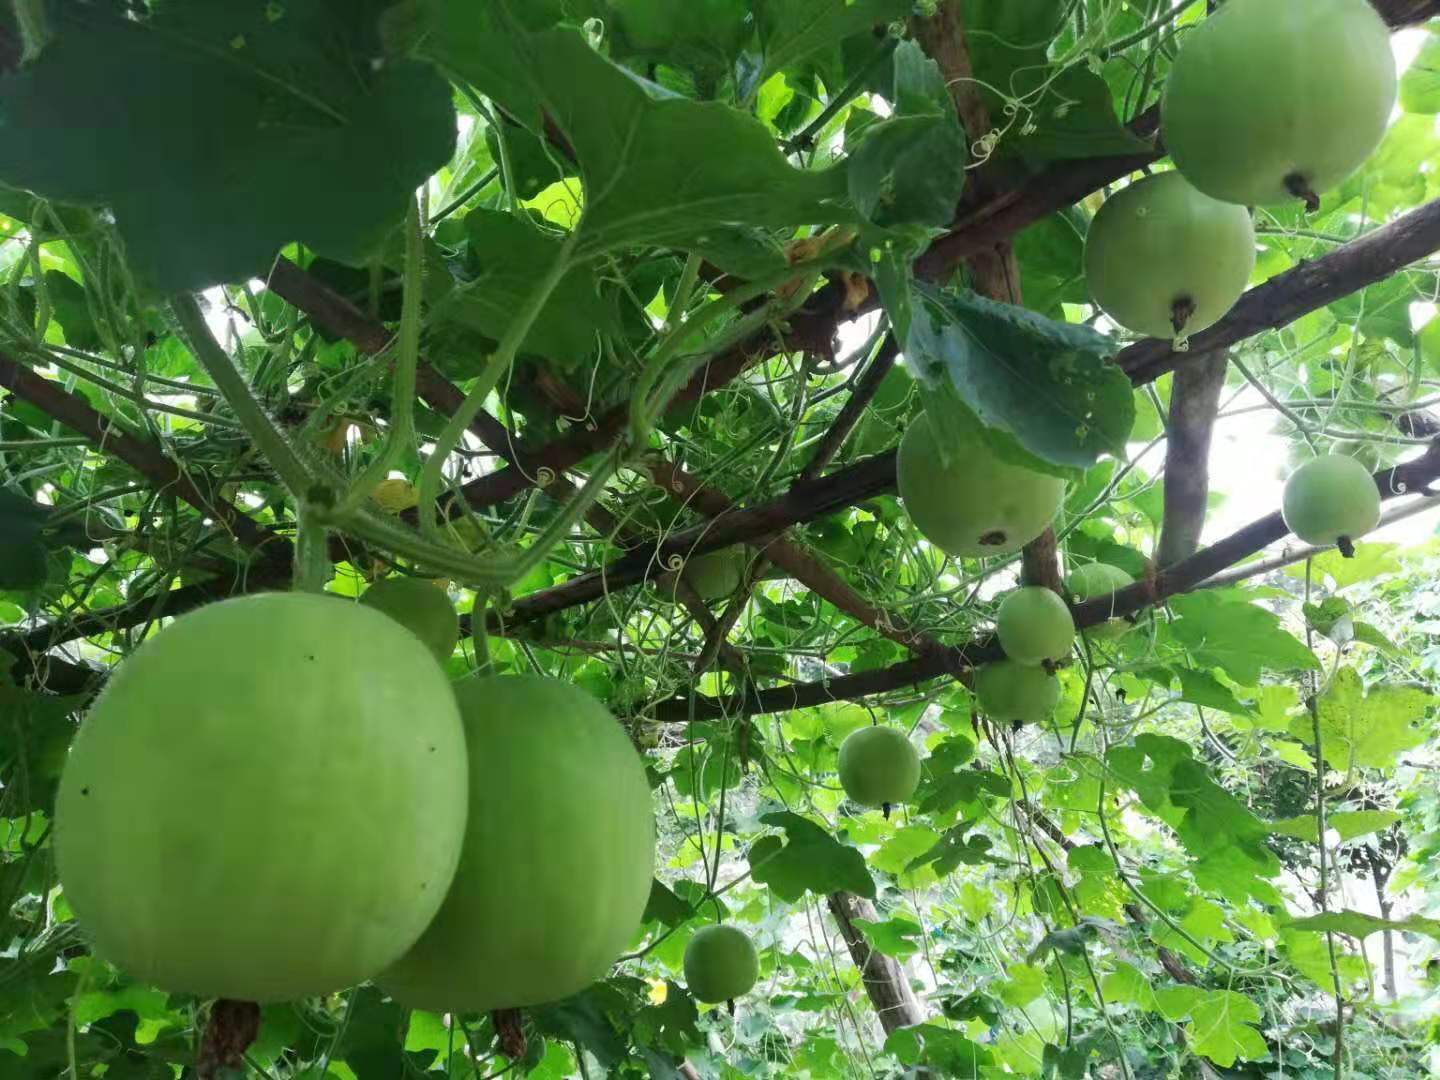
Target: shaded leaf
[
  {"x": 1046, "y": 385},
  {"x": 276, "y": 113},
  {"x": 811, "y": 861}
]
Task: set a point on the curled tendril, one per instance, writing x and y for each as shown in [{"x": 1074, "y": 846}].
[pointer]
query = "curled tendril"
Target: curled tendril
[
  {"x": 675, "y": 563},
  {"x": 545, "y": 476}
]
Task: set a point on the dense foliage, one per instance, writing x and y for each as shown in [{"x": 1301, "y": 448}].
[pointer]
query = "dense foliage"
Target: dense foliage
[{"x": 609, "y": 320}]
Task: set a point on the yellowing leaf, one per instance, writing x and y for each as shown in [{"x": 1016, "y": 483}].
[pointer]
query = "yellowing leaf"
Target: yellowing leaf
[{"x": 1360, "y": 730}]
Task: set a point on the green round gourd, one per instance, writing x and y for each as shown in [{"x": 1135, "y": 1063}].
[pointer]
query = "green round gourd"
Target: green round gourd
[
  {"x": 420, "y": 607},
  {"x": 1099, "y": 579},
  {"x": 1165, "y": 260},
  {"x": 720, "y": 964},
  {"x": 1008, "y": 692},
  {"x": 1331, "y": 500},
  {"x": 878, "y": 766},
  {"x": 1273, "y": 100},
  {"x": 1034, "y": 626},
  {"x": 558, "y": 857},
  {"x": 266, "y": 802},
  {"x": 977, "y": 505},
  {"x": 717, "y": 574}
]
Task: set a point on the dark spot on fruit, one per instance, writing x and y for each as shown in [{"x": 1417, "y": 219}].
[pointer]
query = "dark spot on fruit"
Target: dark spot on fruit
[
  {"x": 311, "y": 658},
  {"x": 84, "y": 791},
  {"x": 993, "y": 539},
  {"x": 432, "y": 749}
]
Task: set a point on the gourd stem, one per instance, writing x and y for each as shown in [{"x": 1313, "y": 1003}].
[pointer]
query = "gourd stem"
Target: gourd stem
[{"x": 1298, "y": 184}]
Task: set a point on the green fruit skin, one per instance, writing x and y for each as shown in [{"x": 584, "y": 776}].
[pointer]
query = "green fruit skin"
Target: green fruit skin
[
  {"x": 1099, "y": 579},
  {"x": 558, "y": 859},
  {"x": 1266, "y": 89},
  {"x": 720, "y": 964},
  {"x": 1034, "y": 626},
  {"x": 878, "y": 766},
  {"x": 266, "y": 802},
  {"x": 1009, "y": 692},
  {"x": 716, "y": 575},
  {"x": 1160, "y": 241},
  {"x": 1330, "y": 497},
  {"x": 978, "y": 505},
  {"x": 420, "y": 607}
]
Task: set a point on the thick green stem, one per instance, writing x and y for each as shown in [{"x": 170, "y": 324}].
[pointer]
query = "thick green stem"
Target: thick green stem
[
  {"x": 402, "y": 395},
  {"x": 313, "y": 567},
  {"x": 660, "y": 378},
  {"x": 261, "y": 429},
  {"x": 499, "y": 364}
]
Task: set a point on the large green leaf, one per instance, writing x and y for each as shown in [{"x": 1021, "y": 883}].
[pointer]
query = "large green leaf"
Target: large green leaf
[
  {"x": 910, "y": 169},
  {"x": 1347, "y": 824},
  {"x": 1365, "y": 730},
  {"x": 220, "y": 130},
  {"x": 1221, "y": 1028},
  {"x": 657, "y": 168},
  {"x": 795, "y": 31},
  {"x": 509, "y": 257},
  {"x": 1046, "y": 385},
  {"x": 1044, "y": 113},
  {"x": 1358, "y": 924},
  {"x": 947, "y": 1051},
  {"x": 811, "y": 861},
  {"x": 1240, "y": 638},
  {"x": 1227, "y": 840}
]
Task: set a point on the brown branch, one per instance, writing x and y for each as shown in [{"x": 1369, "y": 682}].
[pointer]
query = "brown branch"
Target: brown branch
[
  {"x": 843, "y": 426},
  {"x": 1194, "y": 404},
  {"x": 145, "y": 457},
  {"x": 956, "y": 661},
  {"x": 882, "y": 976}
]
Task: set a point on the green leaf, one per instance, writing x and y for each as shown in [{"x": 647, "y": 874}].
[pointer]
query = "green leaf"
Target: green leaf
[
  {"x": 1202, "y": 688},
  {"x": 939, "y": 1048},
  {"x": 1227, "y": 840},
  {"x": 1370, "y": 634},
  {"x": 1025, "y": 984},
  {"x": 910, "y": 169},
  {"x": 1128, "y": 985},
  {"x": 282, "y": 108},
  {"x": 893, "y": 937},
  {"x": 1047, "y": 385},
  {"x": 793, "y": 31},
  {"x": 954, "y": 848},
  {"x": 1243, "y": 639},
  {"x": 1364, "y": 730},
  {"x": 1348, "y": 824},
  {"x": 1056, "y": 114},
  {"x": 1220, "y": 1028},
  {"x": 1370, "y": 561},
  {"x": 1358, "y": 924},
  {"x": 657, "y": 168},
  {"x": 811, "y": 861},
  {"x": 509, "y": 256},
  {"x": 1420, "y": 84}
]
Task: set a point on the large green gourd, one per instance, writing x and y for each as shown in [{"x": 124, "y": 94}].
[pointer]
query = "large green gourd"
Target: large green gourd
[
  {"x": 1275, "y": 100},
  {"x": 266, "y": 802},
  {"x": 558, "y": 857}
]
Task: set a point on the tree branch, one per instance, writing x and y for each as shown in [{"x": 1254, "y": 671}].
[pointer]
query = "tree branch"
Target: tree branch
[
  {"x": 957, "y": 661},
  {"x": 145, "y": 457},
  {"x": 1194, "y": 403}
]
